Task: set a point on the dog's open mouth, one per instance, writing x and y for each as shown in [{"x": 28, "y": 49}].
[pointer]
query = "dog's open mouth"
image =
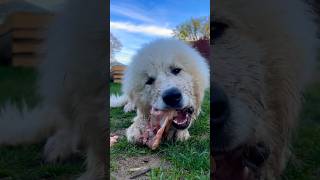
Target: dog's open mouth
[
  {"x": 182, "y": 118},
  {"x": 160, "y": 122}
]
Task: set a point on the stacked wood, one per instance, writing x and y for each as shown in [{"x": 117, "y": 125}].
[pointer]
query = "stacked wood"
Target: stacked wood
[
  {"x": 22, "y": 34},
  {"x": 117, "y": 72}
]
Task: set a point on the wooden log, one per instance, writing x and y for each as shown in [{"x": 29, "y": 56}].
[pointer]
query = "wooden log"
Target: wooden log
[
  {"x": 117, "y": 76},
  {"x": 24, "y": 20},
  {"x": 25, "y": 60},
  {"x": 34, "y": 34},
  {"x": 118, "y": 68},
  {"x": 25, "y": 46},
  {"x": 117, "y": 81}
]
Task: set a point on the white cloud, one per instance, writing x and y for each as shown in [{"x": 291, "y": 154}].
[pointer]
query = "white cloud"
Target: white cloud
[
  {"x": 143, "y": 29},
  {"x": 130, "y": 12},
  {"x": 124, "y": 58}
]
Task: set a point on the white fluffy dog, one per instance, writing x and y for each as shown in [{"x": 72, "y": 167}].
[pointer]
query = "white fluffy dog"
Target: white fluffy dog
[
  {"x": 166, "y": 74},
  {"x": 73, "y": 89}
]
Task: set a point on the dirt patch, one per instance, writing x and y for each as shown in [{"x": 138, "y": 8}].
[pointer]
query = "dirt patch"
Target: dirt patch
[{"x": 137, "y": 167}]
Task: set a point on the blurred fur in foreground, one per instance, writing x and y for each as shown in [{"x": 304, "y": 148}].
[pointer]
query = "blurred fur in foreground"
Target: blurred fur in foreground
[
  {"x": 262, "y": 55},
  {"x": 73, "y": 89}
]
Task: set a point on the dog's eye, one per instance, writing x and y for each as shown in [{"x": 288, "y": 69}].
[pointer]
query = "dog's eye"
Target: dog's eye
[
  {"x": 175, "y": 71},
  {"x": 150, "y": 81}
]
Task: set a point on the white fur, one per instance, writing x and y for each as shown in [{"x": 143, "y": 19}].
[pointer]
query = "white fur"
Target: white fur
[
  {"x": 73, "y": 87},
  {"x": 156, "y": 60},
  {"x": 118, "y": 100},
  {"x": 262, "y": 62},
  {"x": 19, "y": 125},
  {"x": 122, "y": 100}
]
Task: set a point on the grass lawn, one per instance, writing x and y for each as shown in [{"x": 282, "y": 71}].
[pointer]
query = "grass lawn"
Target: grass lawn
[
  {"x": 305, "y": 164},
  {"x": 189, "y": 160}
]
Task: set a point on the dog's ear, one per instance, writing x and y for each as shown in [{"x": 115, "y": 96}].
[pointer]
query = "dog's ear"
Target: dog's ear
[{"x": 201, "y": 73}]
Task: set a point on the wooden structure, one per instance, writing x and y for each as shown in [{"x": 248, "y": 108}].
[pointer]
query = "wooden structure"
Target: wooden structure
[
  {"x": 22, "y": 32},
  {"x": 117, "y": 71},
  {"x": 202, "y": 46}
]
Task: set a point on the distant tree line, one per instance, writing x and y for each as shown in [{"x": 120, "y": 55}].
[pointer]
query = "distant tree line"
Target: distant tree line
[{"x": 193, "y": 29}]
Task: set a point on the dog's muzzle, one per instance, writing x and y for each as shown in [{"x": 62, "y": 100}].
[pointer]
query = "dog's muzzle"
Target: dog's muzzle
[{"x": 172, "y": 98}]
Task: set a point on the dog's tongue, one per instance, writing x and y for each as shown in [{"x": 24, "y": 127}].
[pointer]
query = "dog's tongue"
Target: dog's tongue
[{"x": 181, "y": 117}]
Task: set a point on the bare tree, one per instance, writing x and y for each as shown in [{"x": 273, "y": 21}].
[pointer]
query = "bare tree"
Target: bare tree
[{"x": 115, "y": 46}]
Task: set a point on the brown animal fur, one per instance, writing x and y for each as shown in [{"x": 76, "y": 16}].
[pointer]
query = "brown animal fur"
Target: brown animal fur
[{"x": 261, "y": 62}]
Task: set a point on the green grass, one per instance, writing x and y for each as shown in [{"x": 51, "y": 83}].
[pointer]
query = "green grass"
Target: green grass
[
  {"x": 189, "y": 159},
  {"x": 18, "y": 85},
  {"x": 305, "y": 164},
  {"x": 25, "y": 162}
]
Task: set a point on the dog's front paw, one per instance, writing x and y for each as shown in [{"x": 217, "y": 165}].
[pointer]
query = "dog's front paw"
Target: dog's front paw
[
  {"x": 58, "y": 147},
  {"x": 129, "y": 107},
  {"x": 182, "y": 135},
  {"x": 133, "y": 134}
]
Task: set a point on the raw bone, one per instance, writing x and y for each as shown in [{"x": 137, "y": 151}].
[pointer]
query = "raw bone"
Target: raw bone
[{"x": 153, "y": 139}]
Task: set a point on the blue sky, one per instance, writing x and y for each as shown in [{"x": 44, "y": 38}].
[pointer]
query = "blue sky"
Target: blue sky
[{"x": 136, "y": 22}]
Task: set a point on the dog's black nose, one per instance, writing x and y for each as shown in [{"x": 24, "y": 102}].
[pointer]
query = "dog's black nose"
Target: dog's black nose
[
  {"x": 172, "y": 97},
  {"x": 220, "y": 106}
]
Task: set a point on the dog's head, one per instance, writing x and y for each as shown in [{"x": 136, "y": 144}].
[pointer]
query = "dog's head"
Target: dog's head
[
  {"x": 259, "y": 49},
  {"x": 167, "y": 74}
]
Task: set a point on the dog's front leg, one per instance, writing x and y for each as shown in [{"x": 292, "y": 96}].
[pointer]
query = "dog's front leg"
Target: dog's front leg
[
  {"x": 93, "y": 128},
  {"x": 62, "y": 144},
  {"x": 178, "y": 135},
  {"x": 96, "y": 161},
  {"x": 182, "y": 135},
  {"x": 129, "y": 107},
  {"x": 135, "y": 131}
]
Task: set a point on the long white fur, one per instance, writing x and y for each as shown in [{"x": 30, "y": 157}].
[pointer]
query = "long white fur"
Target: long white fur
[
  {"x": 24, "y": 125},
  {"x": 118, "y": 100},
  {"x": 72, "y": 86},
  {"x": 286, "y": 46},
  {"x": 155, "y": 60}
]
